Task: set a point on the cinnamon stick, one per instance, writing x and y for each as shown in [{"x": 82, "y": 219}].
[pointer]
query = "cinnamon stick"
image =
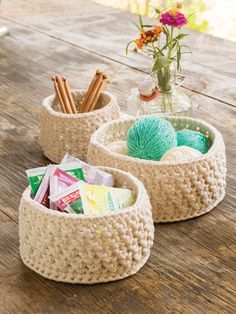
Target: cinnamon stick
[
  {"x": 69, "y": 95},
  {"x": 63, "y": 109},
  {"x": 87, "y": 94},
  {"x": 63, "y": 94},
  {"x": 93, "y": 92},
  {"x": 98, "y": 93}
]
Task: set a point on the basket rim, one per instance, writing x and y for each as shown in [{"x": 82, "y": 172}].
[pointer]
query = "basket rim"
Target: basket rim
[
  {"x": 26, "y": 196},
  {"x": 47, "y": 102},
  {"x": 103, "y": 128}
]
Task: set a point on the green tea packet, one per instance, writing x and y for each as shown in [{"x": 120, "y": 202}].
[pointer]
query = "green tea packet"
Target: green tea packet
[{"x": 36, "y": 175}]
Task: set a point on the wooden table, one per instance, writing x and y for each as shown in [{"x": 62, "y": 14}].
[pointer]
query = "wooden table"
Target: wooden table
[{"x": 192, "y": 265}]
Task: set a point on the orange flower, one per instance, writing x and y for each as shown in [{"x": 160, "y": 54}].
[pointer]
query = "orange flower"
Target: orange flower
[
  {"x": 148, "y": 36},
  {"x": 139, "y": 43},
  {"x": 143, "y": 35},
  {"x": 157, "y": 30}
]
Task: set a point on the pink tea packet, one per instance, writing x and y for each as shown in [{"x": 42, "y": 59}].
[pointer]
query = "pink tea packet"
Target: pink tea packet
[
  {"x": 92, "y": 174},
  {"x": 59, "y": 181},
  {"x": 69, "y": 200},
  {"x": 43, "y": 191}
]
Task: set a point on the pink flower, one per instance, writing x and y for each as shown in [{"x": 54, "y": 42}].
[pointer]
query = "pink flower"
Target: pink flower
[{"x": 173, "y": 18}]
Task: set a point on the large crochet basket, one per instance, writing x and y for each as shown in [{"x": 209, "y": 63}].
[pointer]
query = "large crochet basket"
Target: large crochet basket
[
  {"x": 61, "y": 133},
  {"x": 87, "y": 248},
  {"x": 177, "y": 191}
]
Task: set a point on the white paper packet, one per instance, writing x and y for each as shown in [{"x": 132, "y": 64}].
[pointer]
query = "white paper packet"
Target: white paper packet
[{"x": 92, "y": 174}]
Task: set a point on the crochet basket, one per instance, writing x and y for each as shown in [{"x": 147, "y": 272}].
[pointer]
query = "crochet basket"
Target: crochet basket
[
  {"x": 177, "y": 191},
  {"x": 61, "y": 133},
  {"x": 89, "y": 249}
]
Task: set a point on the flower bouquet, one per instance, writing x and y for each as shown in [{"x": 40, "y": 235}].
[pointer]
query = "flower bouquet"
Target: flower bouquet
[{"x": 163, "y": 42}]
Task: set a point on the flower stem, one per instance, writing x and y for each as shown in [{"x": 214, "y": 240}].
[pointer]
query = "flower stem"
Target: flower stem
[{"x": 171, "y": 40}]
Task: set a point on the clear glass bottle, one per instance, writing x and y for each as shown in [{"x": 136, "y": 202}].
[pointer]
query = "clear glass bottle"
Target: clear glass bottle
[
  {"x": 133, "y": 102},
  {"x": 170, "y": 100}
]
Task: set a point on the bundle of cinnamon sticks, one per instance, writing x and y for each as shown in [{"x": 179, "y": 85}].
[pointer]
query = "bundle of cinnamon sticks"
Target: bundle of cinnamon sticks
[
  {"x": 90, "y": 99},
  {"x": 93, "y": 93},
  {"x": 64, "y": 95}
]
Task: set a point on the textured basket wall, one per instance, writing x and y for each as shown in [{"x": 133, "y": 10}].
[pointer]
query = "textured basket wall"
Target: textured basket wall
[
  {"x": 87, "y": 248},
  {"x": 61, "y": 133},
  {"x": 177, "y": 191}
]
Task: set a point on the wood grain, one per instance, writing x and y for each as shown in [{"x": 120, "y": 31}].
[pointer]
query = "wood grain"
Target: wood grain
[
  {"x": 210, "y": 71},
  {"x": 192, "y": 265}
]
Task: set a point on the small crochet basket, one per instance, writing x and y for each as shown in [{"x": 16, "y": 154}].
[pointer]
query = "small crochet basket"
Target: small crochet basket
[
  {"x": 177, "y": 191},
  {"x": 89, "y": 249},
  {"x": 61, "y": 133}
]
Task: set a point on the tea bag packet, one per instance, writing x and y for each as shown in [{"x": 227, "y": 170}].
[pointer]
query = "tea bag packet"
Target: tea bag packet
[
  {"x": 44, "y": 190},
  {"x": 69, "y": 200},
  {"x": 98, "y": 199},
  {"x": 122, "y": 198},
  {"x": 59, "y": 181},
  {"x": 92, "y": 174},
  {"x": 36, "y": 175},
  {"x": 74, "y": 168}
]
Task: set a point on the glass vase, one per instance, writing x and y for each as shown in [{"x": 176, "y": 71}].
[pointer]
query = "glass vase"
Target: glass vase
[{"x": 170, "y": 100}]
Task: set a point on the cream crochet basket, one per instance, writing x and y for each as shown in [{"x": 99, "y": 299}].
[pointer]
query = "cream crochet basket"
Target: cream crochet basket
[
  {"x": 61, "y": 133},
  {"x": 177, "y": 191},
  {"x": 87, "y": 248}
]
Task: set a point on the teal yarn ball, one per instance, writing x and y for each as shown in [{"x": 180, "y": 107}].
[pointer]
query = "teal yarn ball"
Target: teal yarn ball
[
  {"x": 150, "y": 137},
  {"x": 193, "y": 139}
]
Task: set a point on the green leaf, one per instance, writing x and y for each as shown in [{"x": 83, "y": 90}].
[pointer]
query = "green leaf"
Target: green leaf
[
  {"x": 140, "y": 21},
  {"x": 127, "y": 47},
  {"x": 185, "y": 46},
  {"x": 160, "y": 63},
  {"x": 135, "y": 25},
  {"x": 178, "y": 57},
  {"x": 147, "y": 25},
  {"x": 175, "y": 45},
  {"x": 159, "y": 51},
  {"x": 167, "y": 33},
  {"x": 181, "y": 36}
]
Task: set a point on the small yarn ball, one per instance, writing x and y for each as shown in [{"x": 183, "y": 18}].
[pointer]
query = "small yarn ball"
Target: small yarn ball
[
  {"x": 193, "y": 139},
  {"x": 181, "y": 153},
  {"x": 150, "y": 137},
  {"x": 119, "y": 147}
]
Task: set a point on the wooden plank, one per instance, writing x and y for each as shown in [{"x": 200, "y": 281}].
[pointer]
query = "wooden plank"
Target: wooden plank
[
  {"x": 191, "y": 269},
  {"x": 210, "y": 71},
  {"x": 43, "y": 8}
]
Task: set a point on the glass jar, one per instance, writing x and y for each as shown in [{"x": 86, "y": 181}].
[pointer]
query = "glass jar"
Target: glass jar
[
  {"x": 133, "y": 102},
  {"x": 170, "y": 100}
]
